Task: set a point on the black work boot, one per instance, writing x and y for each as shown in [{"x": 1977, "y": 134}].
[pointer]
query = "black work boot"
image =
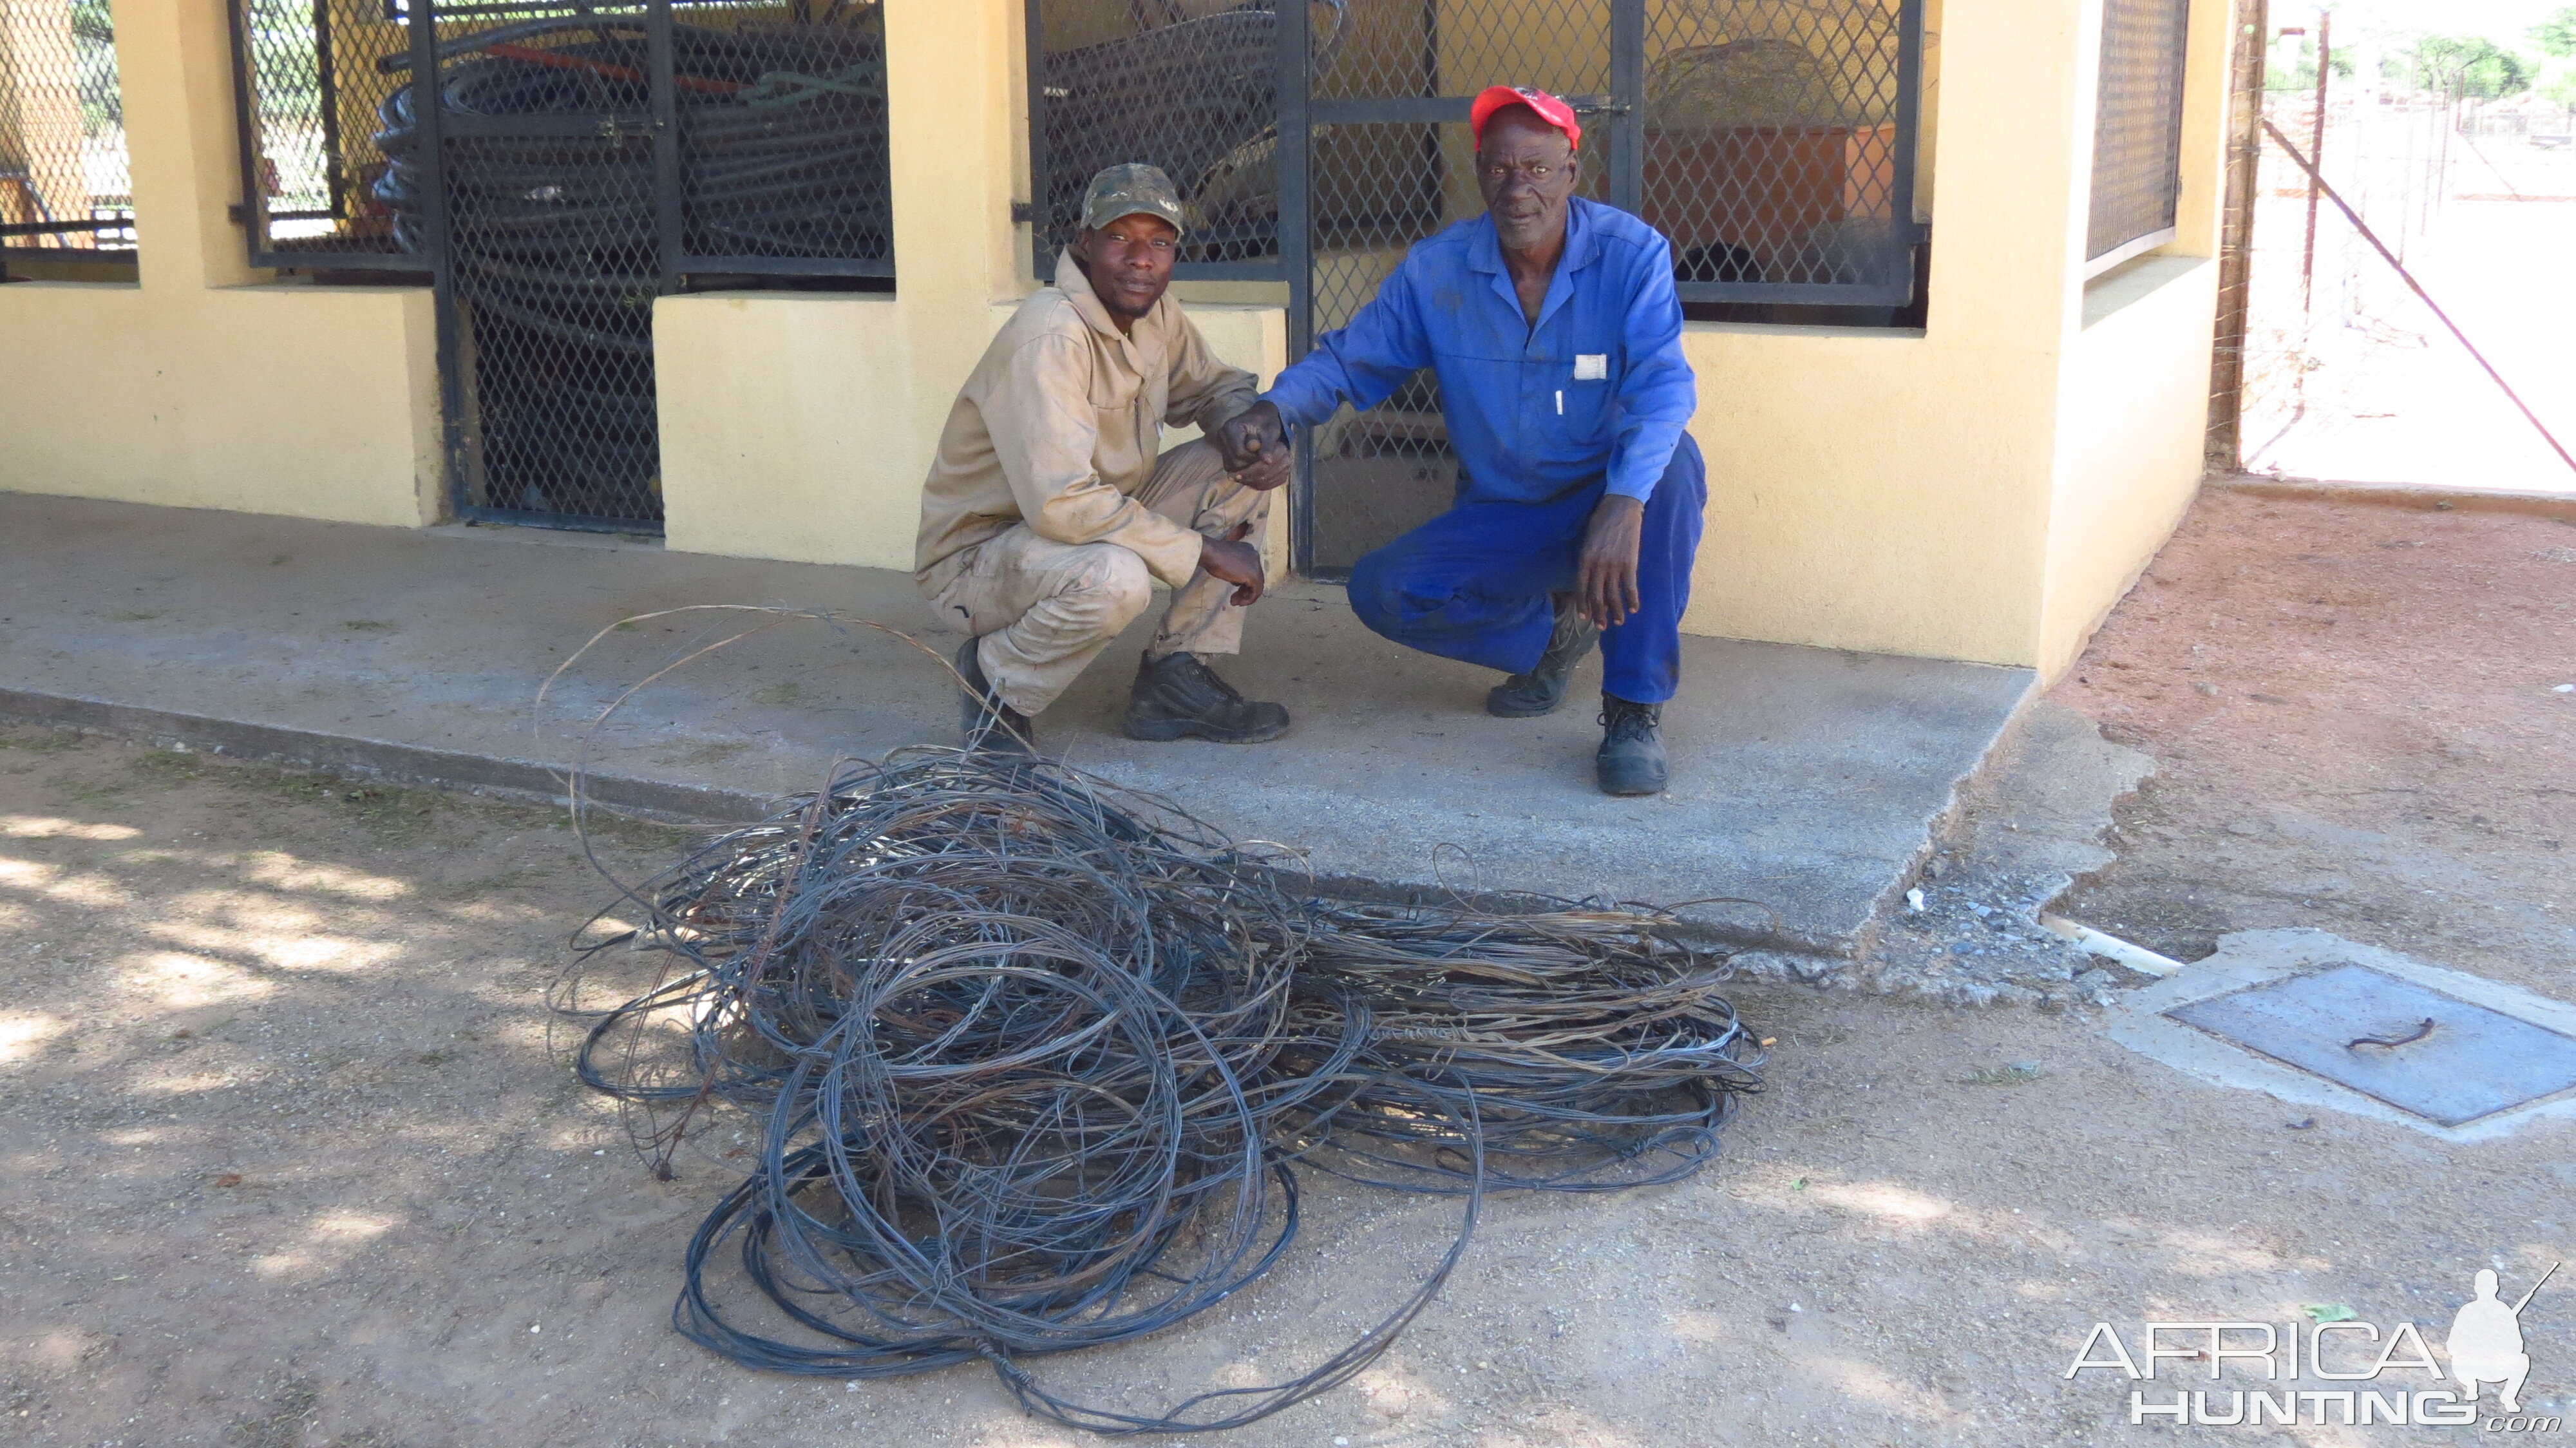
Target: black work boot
[
  {"x": 989, "y": 723},
  {"x": 1179, "y": 697},
  {"x": 1631, "y": 760},
  {"x": 1541, "y": 690}
]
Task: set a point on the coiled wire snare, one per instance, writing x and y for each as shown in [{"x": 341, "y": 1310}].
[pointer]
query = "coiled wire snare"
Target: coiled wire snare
[{"x": 1035, "y": 1061}]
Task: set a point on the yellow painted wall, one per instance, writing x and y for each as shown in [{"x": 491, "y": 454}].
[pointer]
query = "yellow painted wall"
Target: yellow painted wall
[
  {"x": 776, "y": 411},
  {"x": 1981, "y": 490},
  {"x": 315, "y": 402},
  {"x": 2133, "y": 389},
  {"x": 206, "y": 384},
  {"x": 1886, "y": 491},
  {"x": 2129, "y": 443}
]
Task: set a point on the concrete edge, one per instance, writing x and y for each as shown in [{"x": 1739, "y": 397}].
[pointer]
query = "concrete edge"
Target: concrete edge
[
  {"x": 1943, "y": 827},
  {"x": 383, "y": 759},
  {"x": 681, "y": 804},
  {"x": 2561, "y": 506}
]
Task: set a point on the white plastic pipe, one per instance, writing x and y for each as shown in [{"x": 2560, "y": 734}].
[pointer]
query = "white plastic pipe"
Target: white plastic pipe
[{"x": 2110, "y": 947}]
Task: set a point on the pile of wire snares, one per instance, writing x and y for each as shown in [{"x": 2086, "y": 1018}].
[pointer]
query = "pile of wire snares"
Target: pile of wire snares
[{"x": 1035, "y": 1059}]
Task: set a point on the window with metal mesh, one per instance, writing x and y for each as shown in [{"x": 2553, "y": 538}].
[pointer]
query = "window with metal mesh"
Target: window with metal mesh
[
  {"x": 779, "y": 113},
  {"x": 782, "y": 126},
  {"x": 1190, "y": 86},
  {"x": 313, "y": 77},
  {"x": 65, "y": 185},
  {"x": 1772, "y": 140},
  {"x": 2137, "y": 126},
  {"x": 1779, "y": 147}
]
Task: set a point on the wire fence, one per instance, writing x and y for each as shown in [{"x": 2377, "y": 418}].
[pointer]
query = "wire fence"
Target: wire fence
[
  {"x": 65, "y": 182},
  {"x": 2347, "y": 375},
  {"x": 313, "y": 79}
]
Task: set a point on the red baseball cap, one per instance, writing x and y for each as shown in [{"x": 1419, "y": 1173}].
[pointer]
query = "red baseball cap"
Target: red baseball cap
[{"x": 1550, "y": 109}]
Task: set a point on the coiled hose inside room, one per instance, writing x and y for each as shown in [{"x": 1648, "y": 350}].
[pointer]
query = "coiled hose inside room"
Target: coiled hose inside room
[{"x": 553, "y": 233}]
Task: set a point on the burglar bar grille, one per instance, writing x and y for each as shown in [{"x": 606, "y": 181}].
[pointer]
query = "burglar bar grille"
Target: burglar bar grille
[
  {"x": 1186, "y": 85},
  {"x": 65, "y": 187},
  {"x": 2137, "y": 127},
  {"x": 312, "y": 78},
  {"x": 780, "y": 167},
  {"x": 1779, "y": 147},
  {"x": 1773, "y": 142}
]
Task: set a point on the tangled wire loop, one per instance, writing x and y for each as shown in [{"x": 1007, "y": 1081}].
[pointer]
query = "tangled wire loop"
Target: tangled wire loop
[{"x": 1035, "y": 1058}]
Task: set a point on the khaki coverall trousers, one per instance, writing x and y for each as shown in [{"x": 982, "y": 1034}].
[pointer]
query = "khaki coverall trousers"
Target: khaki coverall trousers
[{"x": 1044, "y": 610}]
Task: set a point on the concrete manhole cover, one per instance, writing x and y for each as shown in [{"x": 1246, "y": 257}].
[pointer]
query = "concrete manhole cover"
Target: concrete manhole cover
[{"x": 2420, "y": 1051}]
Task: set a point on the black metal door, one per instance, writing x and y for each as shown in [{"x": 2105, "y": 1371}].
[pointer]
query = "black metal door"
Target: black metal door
[
  {"x": 563, "y": 166},
  {"x": 1388, "y": 163},
  {"x": 536, "y": 170}
]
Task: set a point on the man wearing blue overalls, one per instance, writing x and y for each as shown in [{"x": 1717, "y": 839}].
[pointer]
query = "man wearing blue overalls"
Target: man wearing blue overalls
[{"x": 1552, "y": 324}]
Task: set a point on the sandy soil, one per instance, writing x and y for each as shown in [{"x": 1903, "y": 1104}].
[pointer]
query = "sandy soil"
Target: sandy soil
[
  {"x": 2355, "y": 720},
  {"x": 290, "y": 1160}
]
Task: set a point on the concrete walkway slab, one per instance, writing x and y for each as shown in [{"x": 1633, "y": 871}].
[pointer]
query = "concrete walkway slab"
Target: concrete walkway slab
[{"x": 1808, "y": 779}]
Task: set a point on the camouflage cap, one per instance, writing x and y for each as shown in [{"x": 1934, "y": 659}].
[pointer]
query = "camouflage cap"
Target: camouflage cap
[{"x": 1132, "y": 189}]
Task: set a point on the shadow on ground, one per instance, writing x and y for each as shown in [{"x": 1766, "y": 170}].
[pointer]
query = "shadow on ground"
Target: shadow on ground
[{"x": 290, "y": 1161}]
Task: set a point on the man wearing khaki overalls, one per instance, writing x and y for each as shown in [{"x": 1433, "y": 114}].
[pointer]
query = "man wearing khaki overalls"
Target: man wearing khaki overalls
[{"x": 1051, "y": 510}]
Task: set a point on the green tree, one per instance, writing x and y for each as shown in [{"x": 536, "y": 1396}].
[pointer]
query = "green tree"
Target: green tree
[
  {"x": 2468, "y": 65},
  {"x": 2300, "y": 73},
  {"x": 2558, "y": 84},
  {"x": 94, "y": 57},
  {"x": 2557, "y": 34}
]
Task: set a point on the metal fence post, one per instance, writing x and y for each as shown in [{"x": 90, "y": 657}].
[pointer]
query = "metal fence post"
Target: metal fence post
[
  {"x": 1628, "y": 97},
  {"x": 666, "y": 144},
  {"x": 1033, "y": 30},
  {"x": 2236, "y": 235},
  {"x": 1295, "y": 56},
  {"x": 423, "y": 23}
]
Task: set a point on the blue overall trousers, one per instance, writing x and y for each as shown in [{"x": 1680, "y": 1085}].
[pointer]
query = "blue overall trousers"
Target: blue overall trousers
[{"x": 1473, "y": 583}]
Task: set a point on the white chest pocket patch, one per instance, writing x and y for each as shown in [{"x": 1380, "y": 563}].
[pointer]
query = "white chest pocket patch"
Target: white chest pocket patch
[{"x": 1591, "y": 366}]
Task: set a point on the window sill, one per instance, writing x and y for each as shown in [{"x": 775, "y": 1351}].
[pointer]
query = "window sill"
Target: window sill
[{"x": 2133, "y": 281}]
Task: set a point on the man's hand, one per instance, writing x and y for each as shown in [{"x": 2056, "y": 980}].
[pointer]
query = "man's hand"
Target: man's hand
[
  {"x": 1254, "y": 444},
  {"x": 1605, "y": 580},
  {"x": 1236, "y": 562}
]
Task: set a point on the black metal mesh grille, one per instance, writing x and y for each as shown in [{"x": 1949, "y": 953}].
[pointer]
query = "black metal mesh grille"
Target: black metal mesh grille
[
  {"x": 1775, "y": 137},
  {"x": 1377, "y": 190},
  {"x": 2137, "y": 128},
  {"x": 783, "y": 138},
  {"x": 571, "y": 185},
  {"x": 781, "y": 113},
  {"x": 64, "y": 183},
  {"x": 313, "y": 80},
  {"x": 548, "y": 166},
  {"x": 1379, "y": 187},
  {"x": 1190, "y": 86}
]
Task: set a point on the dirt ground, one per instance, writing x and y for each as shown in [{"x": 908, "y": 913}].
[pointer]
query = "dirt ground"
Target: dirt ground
[
  {"x": 291, "y": 1157},
  {"x": 2356, "y": 723}
]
